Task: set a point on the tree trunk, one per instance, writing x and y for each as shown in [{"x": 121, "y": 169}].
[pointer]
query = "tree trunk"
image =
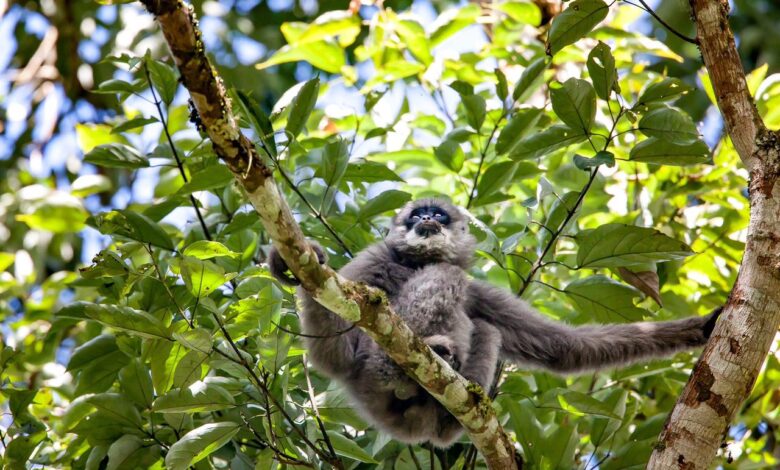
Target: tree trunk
[{"x": 730, "y": 363}]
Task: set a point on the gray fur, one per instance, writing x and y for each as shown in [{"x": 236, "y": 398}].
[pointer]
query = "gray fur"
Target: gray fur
[{"x": 470, "y": 323}]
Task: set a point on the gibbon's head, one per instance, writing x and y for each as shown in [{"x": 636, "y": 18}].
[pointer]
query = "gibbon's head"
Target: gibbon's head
[{"x": 431, "y": 231}]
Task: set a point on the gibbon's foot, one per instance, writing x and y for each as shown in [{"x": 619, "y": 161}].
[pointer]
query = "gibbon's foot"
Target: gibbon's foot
[
  {"x": 281, "y": 271},
  {"x": 712, "y": 318}
]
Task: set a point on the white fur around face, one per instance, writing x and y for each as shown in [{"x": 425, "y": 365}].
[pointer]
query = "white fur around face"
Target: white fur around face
[{"x": 440, "y": 242}]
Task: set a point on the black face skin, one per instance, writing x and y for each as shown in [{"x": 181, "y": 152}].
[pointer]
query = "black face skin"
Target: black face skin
[{"x": 427, "y": 220}]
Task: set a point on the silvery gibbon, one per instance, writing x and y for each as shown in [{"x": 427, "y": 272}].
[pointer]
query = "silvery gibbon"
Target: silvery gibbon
[{"x": 421, "y": 265}]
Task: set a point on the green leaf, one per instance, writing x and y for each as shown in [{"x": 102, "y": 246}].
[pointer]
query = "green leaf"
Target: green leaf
[
  {"x": 127, "y": 319},
  {"x": 601, "y": 67},
  {"x": 450, "y": 154},
  {"x": 600, "y": 299},
  {"x": 370, "y": 172},
  {"x": 385, "y": 202},
  {"x": 201, "y": 278},
  {"x": 130, "y": 451},
  {"x": 335, "y": 157},
  {"x": 463, "y": 88},
  {"x": 205, "y": 249},
  {"x": 671, "y": 124},
  {"x": 603, "y": 428},
  {"x": 581, "y": 404},
  {"x": 530, "y": 79},
  {"x": 577, "y": 20},
  {"x": 86, "y": 185},
  {"x": 164, "y": 79},
  {"x": 136, "y": 383},
  {"x": 495, "y": 178},
  {"x": 198, "y": 397},
  {"x": 574, "y": 102},
  {"x": 98, "y": 346},
  {"x": 452, "y": 21},
  {"x": 212, "y": 177},
  {"x": 199, "y": 443},
  {"x": 133, "y": 124},
  {"x": 545, "y": 142},
  {"x": 259, "y": 121},
  {"x": 522, "y": 12},
  {"x": 116, "y": 156},
  {"x": 349, "y": 448},
  {"x": 134, "y": 226},
  {"x": 323, "y": 54},
  {"x": 517, "y": 128},
  {"x": 302, "y": 106},
  {"x": 601, "y": 158},
  {"x": 661, "y": 152},
  {"x": 413, "y": 35},
  {"x": 666, "y": 90},
  {"x": 117, "y": 406},
  {"x": 475, "y": 110},
  {"x": 113, "y": 86},
  {"x": 61, "y": 213},
  {"x": 615, "y": 245},
  {"x": 502, "y": 87}
]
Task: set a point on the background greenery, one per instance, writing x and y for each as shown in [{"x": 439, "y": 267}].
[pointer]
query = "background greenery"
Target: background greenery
[{"x": 134, "y": 337}]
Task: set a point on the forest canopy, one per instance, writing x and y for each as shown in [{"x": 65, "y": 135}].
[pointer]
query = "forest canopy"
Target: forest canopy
[{"x": 141, "y": 327}]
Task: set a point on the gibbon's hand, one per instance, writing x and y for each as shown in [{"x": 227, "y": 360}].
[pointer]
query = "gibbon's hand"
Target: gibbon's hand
[
  {"x": 281, "y": 271},
  {"x": 710, "y": 321}
]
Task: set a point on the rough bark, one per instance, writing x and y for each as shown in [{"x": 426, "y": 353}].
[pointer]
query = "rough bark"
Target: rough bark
[
  {"x": 366, "y": 306},
  {"x": 730, "y": 363}
]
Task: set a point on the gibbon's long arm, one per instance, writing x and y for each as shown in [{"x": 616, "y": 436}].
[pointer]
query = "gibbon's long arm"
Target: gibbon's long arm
[{"x": 530, "y": 338}]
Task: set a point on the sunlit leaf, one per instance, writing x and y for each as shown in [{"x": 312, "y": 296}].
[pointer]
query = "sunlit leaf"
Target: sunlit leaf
[
  {"x": 199, "y": 443},
  {"x": 575, "y": 103},
  {"x": 670, "y": 124},
  {"x": 661, "y": 152},
  {"x": 614, "y": 245},
  {"x": 573, "y": 23}
]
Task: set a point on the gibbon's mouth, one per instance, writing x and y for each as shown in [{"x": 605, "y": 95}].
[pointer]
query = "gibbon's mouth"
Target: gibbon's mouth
[{"x": 427, "y": 228}]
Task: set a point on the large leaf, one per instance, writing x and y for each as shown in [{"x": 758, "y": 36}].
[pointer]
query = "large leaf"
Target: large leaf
[
  {"x": 134, "y": 226},
  {"x": 201, "y": 277},
  {"x": 349, "y": 448},
  {"x": 495, "y": 178},
  {"x": 577, "y": 20},
  {"x": 517, "y": 128},
  {"x": 601, "y": 67},
  {"x": 661, "y": 152},
  {"x": 199, "y": 397},
  {"x": 116, "y": 156},
  {"x": 670, "y": 124},
  {"x": 666, "y": 90},
  {"x": 212, "y": 177},
  {"x": 321, "y": 54},
  {"x": 387, "y": 201},
  {"x": 530, "y": 79},
  {"x": 600, "y": 299},
  {"x": 615, "y": 245},
  {"x": 475, "y": 110},
  {"x": 163, "y": 78},
  {"x": 60, "y": 213},
  {"x": 450, "y": 154},
  {"x": 575, "y": 103},
  {"x": 302, "y": 106},
  {"x": 135, "y": 322},
  {"x": 545, "y": 142},
  {"x": 199, "y": 443},
  {"x": 370, "y": 172}
]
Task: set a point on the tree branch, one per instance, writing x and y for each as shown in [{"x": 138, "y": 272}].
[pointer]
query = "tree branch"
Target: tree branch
[
  {"x": 367, "y": 307},
  {"x": 731, "y": 361}
]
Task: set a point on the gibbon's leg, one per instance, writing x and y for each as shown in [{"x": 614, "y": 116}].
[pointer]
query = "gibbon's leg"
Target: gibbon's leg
[
  {"x": 331, "y": 341},
  {"x": 528, "y": 337},
  {"x": 480, "y": 368},
  {"x": 483, "y": 357}
]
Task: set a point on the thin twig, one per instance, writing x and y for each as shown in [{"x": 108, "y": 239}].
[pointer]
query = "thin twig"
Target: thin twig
[
  {"x": 316, "y": 410},
  {"x": 158, "y": 105},
  {"x": 666, "y": 25}
]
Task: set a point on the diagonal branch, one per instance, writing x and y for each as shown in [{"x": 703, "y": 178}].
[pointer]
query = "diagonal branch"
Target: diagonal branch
[{"x": 356, "y": 302}]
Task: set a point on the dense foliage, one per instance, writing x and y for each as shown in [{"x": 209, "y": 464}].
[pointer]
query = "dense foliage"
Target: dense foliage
[{"x": 593, "y": 196}]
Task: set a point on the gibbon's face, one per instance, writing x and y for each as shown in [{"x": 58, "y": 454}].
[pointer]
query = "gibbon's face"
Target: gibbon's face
[{"x": 430, "y": 231}]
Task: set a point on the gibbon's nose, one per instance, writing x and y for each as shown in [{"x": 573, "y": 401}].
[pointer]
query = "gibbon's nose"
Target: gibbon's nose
[{"x": 427, "y": 227}]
